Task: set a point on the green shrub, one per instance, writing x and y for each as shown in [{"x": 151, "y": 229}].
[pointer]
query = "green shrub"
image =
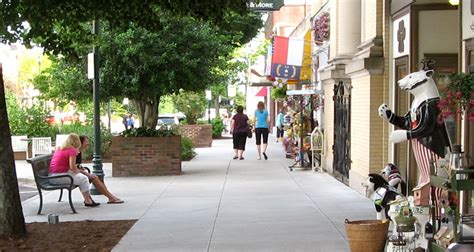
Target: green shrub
[
  {"x": 32, "y": 121},
  {"x": 187, "y": 149},
  {"x": 171, "y": 130},
  {"x": 202, "y": 121},
  {"x": 217, "y": 127},
  {"x": 191, "y": 104}
]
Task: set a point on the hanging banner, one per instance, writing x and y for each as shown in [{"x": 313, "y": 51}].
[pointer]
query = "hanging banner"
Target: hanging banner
[{"x": 287, "y": 57}]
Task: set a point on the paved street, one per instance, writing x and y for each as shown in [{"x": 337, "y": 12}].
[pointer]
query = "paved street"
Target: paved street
[{"x": 221, "y": 204}]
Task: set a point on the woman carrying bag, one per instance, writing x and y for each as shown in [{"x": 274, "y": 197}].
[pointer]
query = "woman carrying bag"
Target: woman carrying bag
[{"x": 239, "y": 129}]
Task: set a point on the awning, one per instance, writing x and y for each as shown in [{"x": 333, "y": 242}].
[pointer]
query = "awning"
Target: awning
[{"x": 262, "y": 92}]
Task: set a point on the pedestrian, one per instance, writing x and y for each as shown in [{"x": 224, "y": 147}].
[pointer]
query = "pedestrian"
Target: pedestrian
[
  {"x": 131, "y": 122},
  {"x": 261, "y": 129},
  {"x": 125, "y": 121},
  {"x": 279, "y": 125},
  {"x": 239, "y": 128},
  {"x": 99, "y": 185},
  {"x": 226, "y": 122}
]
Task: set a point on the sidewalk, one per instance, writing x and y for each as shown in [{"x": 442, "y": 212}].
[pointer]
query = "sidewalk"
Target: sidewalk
[{"x": 220, "y": 204}]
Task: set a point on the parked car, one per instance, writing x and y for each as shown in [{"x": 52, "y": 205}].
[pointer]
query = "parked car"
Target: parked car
[{"x": 168, "y": 120}]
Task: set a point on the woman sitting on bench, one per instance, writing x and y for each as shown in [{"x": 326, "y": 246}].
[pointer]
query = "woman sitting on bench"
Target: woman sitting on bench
[
  {"x": 64, "y": 162},
  {"x": 99, "y": 185}
]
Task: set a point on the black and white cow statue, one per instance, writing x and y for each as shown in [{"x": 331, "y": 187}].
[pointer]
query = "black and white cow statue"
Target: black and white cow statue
[
  {"x": 428, "y": 136},
  {"x": 379, "y": 190}
]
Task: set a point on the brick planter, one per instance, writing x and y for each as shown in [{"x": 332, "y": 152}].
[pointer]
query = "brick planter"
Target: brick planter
[
  {"x": 200, "y": 134},
  {"x": 146, "y": 156}
]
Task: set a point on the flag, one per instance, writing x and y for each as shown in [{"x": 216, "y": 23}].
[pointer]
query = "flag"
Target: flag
[{"x": 287, "y": 57}]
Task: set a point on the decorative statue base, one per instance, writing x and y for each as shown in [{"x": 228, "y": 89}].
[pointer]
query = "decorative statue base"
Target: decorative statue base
[{"x": 403, "y": 240}]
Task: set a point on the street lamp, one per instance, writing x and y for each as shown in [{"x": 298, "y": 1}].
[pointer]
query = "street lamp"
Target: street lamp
[
  {"x": 93, "y": 73},
  {"x": 208, "y": 98}
]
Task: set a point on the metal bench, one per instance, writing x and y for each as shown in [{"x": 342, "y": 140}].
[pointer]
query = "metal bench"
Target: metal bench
[{"x": 40, "y": 165}]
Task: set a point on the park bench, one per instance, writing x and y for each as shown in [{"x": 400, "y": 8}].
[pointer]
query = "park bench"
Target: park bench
[{"x": 40, "y": 166}]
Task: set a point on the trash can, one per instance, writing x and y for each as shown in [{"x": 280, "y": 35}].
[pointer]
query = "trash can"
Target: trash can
[{"x": 367, "y": 235}]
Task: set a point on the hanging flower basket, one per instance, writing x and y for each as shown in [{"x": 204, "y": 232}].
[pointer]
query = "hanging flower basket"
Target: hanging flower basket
[
  {"x": 458, "y": 97},
  {"x": 321, "y": 28}
]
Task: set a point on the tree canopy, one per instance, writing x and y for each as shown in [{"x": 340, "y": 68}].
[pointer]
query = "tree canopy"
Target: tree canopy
[
  {"x": 58, "y": 25},
  {"x": 144, "y": 65}
]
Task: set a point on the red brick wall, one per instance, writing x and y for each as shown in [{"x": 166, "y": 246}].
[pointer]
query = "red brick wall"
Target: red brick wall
[
  {"x": 200, "y": 134},
  {"x": 146, "y": 156}
]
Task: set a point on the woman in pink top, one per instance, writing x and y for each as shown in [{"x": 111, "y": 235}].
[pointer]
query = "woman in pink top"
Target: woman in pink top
[{"x": 64, "y": 162}]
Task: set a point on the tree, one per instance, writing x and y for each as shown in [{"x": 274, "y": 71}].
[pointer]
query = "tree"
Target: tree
[
  {"x": 58, "y": 27},
  {"x": 192, "y": 104},
  {"x": 12, "y": 222},
  {"x": 64, "y": 81},
  {"x": 144, "y": 65}
]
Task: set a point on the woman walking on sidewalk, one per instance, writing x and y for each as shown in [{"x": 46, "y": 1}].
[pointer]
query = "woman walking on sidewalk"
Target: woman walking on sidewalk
[
  {"x": 261, "y": 129},
  {"x": 239, "y": 128}
]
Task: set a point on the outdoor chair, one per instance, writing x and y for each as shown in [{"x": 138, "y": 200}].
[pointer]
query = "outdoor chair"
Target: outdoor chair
[
  {"x": 41, "y": 145},
  {"x": 19, "y": 143},
  {"x": 317, "y": 148}
]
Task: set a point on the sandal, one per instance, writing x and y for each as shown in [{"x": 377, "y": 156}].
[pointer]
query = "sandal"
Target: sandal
[
  {"x": 93, "y": 204},
  {"x": 116, "y": 201}
]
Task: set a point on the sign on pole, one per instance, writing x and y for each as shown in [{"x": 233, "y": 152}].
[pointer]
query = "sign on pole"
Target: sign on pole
[
  {"x": 265, "y": 5},
  {"x": 231, "y": 91},
  {"x": 90, "y": 66}
]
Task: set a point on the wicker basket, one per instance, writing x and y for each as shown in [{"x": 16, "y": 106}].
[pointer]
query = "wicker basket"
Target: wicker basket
[{"x": 367, "y": 235}]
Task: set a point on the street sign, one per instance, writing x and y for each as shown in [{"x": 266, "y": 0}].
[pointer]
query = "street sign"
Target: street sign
[
  {"x": 265, "y": 5},
  {"x": 90, "y": 66}
]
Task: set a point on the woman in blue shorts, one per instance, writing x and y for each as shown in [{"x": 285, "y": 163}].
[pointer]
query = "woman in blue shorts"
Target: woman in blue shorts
[{"x": 261, "y": 129}]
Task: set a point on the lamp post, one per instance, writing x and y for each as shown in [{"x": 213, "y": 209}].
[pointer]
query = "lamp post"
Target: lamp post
[
  {"x": 208, "y": 98},
  {"x": 93, "y": 73}
]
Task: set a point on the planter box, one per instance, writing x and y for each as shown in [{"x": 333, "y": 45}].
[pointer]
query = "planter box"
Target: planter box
[
  {"x": 200, "y": 134},
  {"x": 146, "y": 156}
]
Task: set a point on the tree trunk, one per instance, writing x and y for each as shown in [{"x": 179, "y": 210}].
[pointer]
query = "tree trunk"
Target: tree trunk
[
  {"x": 12, "y": 222},
  {"x": 147, "y": 112}
]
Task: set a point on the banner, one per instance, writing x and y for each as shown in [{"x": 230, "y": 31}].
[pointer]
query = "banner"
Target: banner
[{"x": 287, "y": 57}]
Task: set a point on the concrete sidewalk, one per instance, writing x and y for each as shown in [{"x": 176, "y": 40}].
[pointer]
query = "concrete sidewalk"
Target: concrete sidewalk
[{"x": 220, "y": 204}]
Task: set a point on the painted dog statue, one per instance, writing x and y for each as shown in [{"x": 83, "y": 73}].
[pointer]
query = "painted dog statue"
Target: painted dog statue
[{"x": 420, "y": 125}]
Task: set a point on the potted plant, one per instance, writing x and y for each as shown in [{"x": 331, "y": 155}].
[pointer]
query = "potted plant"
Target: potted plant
[
  {"x": 457, "y": 102},
  {"x": 458, "y": 96},
  {"x": 147, "y": 152}
]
